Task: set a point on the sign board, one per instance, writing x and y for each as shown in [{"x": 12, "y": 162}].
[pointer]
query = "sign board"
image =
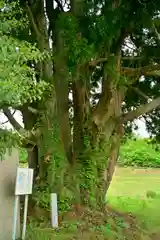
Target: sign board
[{"x": 24, "y": 181}]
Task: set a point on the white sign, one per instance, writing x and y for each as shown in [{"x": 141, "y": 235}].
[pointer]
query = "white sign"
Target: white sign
[
  {"x": 24, "y": 181},
  {"x": 54, "y": 210}
]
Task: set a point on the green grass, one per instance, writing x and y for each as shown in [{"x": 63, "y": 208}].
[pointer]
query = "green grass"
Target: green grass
[
  {"x": 134, "y": 182},
  {"x": 47, "y": 234},
  {"x": 68, "y": 233},
  {"x": 146, "y": 211},
  {"x": 128, "y": 193}
]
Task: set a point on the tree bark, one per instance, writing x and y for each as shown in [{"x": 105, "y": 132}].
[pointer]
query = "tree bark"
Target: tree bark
[
  {"x": 62, "y": 94},
  {"x": 29, "y": 120},
  {"x": 112, "y": 160},
  {"x": 78, "y": 119},
  {"x": 141, "y": 110},
  {"x": 33, "y": 160}
]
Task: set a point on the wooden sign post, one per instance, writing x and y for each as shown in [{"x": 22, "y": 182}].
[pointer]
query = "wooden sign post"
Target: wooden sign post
[{"x": 24, "y": 183}]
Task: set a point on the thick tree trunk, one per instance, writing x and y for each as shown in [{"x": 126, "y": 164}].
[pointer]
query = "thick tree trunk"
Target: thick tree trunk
[
  {"x": 29, "y": 120},
  {"x": 78, "y": 119},
  {"x": 62, "y": 94}
]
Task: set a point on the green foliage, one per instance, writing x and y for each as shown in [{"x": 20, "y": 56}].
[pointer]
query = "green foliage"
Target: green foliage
[
  {"x": 57, "y": 168},
  {"x": 73, "y": 185},
  {"x": 78, "y": 50},
  {"x": 139, "y": 153},
  {"x": 151, "y": 194},
  {"x": 41, "y": 196},
  {"x": 18, "y": 81},
  {"x": 23, "y": 156},
  {"x": 8, "y": 140}
]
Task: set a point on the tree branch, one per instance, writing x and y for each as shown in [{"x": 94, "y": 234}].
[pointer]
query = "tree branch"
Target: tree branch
[
  {"x": 136, "y": 58},
  {"x": 28, "y": 137},
  {"x": 31, "y": 18},
  {"x": 95, "y": 62},
  {"x": 149, "y": 70},
  {"x": 156, "y": 31},
  {"x": 141, "y": 110},
  {"x": 11, "y": 119},
  {"x": 137, "y": 90},
  {"x": 4, "y": 122},
  {"x": 59, "y": 4},
  {"x": 8, "y": 120}
]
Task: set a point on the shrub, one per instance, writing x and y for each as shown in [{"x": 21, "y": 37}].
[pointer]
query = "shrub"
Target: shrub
[
  {"x": 23, "y": 156},
  {"x": 139, "y": 153}
]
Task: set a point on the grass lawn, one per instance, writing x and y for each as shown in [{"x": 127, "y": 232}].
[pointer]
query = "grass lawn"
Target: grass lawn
[
  {"x": 128, "y": 193},
  {"x": 135, "y": 182}
]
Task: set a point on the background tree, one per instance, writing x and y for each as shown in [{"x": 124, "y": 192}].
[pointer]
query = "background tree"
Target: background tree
[{"x": 98, "y": 63}]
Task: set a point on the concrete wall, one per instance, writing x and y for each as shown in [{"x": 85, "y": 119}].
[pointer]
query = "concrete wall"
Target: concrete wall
[{"x": 8, "y": 170}]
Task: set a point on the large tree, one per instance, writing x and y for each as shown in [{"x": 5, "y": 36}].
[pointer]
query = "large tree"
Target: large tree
[{"x": 95, "y": 69}]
